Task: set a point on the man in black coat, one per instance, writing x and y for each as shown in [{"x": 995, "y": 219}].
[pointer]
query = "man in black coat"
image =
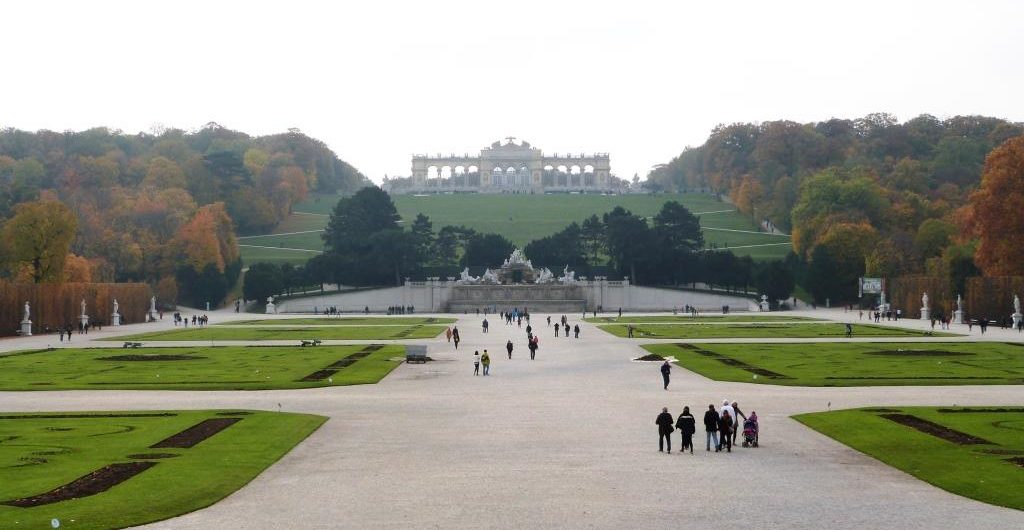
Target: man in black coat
[
  {"x": 711, "y": 426},
  {"x": 664, "y": 423},
  {"x": 666, "y": 369},
  {"x": 687, "y": 425}
]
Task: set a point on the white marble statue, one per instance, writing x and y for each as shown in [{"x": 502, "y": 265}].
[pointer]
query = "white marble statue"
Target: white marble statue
[
  {"x": 545, "y": 276},
  {"x": 466, "y": 277},
  {"x": 1016, "y": 304},
  {"x": 924, "y": 300},
  {"x": 115, "y": 307},
  {"x": 489, "y": 277},
  {"x": 152, "y": 304},
  {"x": 83, "y": 307},
  {"x": 568, "y": 276},
  {"x": 28, "y": 313},
  {"x": 959, "y": 303},
  {"x": 270, "y": 299},
  {"x": 517, "y": 258}
]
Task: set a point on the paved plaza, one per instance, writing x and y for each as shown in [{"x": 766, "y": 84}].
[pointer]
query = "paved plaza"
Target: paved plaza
[{"x": 565, "y": 441}]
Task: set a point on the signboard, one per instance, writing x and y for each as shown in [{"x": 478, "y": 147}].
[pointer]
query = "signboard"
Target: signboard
[{"x": 870, "y": 286}]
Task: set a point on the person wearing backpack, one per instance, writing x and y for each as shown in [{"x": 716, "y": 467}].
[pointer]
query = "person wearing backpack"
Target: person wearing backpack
[
  {"x": 687, "y": 425},
  {"x": 664, "y": 423}
]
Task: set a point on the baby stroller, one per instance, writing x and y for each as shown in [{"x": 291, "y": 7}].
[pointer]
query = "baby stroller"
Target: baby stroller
[{"x": 750, "y": 431}]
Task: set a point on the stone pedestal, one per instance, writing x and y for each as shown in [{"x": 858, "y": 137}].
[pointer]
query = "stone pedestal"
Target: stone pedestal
[
  {"x": 926, "y": 313},
  {"x": 958, "y": 317},
  {"x": 271, "y": 308},
  {"x": 115, "y": 319},
  {"x": 1016, "y": 319},
  {"x": 26, "y": 328},
  {"x": 83, "y": 320}
]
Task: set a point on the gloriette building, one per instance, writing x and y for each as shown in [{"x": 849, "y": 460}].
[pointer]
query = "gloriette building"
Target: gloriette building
[{"x": 508, "y": 167}]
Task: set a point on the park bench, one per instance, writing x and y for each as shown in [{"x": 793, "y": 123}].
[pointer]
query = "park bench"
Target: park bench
[
  {"x": 313, "y": 342},
  {"x": 132, "y": 345}
]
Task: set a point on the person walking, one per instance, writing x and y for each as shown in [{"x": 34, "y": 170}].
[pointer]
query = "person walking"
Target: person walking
[
  {"x": 485, "y": 325},
  {"x": 711, "y": 427},
  {"x": 455, "y": 337},
  {"x": 725, "y": 428},
  {"x": 664, "y": 423},
  {"x": 533, "y": 347},
  {"x": 737, "y": 414},
  {"x": 476, "y": 363},
  {"x": 629, "y": 331},
  {"x": 666, "y": 369},
  {"x": 448, "y": 333},
  {"x": 687, "y": 425},
  {"x": 556, "y": 329},
  {"x": 549, "y": 321},
  {"x": 576, "y": 331},
  {"x": 508, "y": 346},
  {"x": 485, "y": 360}
]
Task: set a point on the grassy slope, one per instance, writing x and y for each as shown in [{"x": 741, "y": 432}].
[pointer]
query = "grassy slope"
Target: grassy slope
[
  {"x": 221, "y": 368},
  {"x": 753, "y": 317},
  {"x": 298, "y": 333},
  {"x": 851, "y": 364},
  {"x": 964, "y": 470},
  {"x": 343, "y": 321},
  {"x": 199, "y": 477},
  {"x": 759, "y": 330},
  {"x": 521, "y": 218}
]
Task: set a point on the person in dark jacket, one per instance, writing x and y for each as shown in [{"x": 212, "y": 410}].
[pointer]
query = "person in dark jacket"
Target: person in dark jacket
[
  {"x": 711, "y": 426},
  {"x": 666, "y": 369},
  {"x": 664, "y": 423},
  {"x": 508, "y": 347},
  {"x": 725, "y": 428},
  {"x": 687, "y": 425}
]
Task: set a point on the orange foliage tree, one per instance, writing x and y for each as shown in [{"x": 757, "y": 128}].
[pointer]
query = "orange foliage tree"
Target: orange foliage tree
[{"x": 995, "y": 213}]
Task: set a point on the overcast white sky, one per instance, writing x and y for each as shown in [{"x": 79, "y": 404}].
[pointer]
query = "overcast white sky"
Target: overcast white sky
[{"x": 379, "y": 80}]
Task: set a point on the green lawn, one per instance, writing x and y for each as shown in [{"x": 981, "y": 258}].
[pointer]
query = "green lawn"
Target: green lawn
[
  {"x": 341, "y": 321},
  {"x": 520, "y": 218},
  {"x": 198, "y": 368},
  {"x": 757, "y": 330},
  {"x": 336, "y": 332},
  {"x": 981, "y": 471},
  {"x": 853, "y": 364},
  {"x": 752, "y": 317},
  {"x": 40, "y": 452}
]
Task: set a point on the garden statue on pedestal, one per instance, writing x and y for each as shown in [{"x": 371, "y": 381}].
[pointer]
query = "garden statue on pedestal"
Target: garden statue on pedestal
[
  {"x": 83, "y": 318},
  {"x": 764, "y": 305},
  {"x": 926, "y": 312},
  {"x": 958, "y": 315},
  {"x": 271, "y": 308},
  {"x": 115, "y": 317},
  {"x": 153, "y": 314},
  {"x": 1016, "y": 316},
  {"x": 26, "y": 322}
]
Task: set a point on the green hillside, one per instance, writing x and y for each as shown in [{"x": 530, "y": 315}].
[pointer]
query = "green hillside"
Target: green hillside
[{"x": 520, "y": 218}]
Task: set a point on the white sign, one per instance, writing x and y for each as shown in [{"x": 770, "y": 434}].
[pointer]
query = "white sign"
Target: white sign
[{"x": 871, "y": 285}]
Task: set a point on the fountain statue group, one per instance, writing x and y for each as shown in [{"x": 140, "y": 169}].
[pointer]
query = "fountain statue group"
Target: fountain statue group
[{"x": 517, "y": 261}]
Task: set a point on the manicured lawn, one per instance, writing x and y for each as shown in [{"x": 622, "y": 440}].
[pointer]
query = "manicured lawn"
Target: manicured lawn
[
  {"x": 981, "y": 471},
  {"x": 758, "y": 330},
  {"x": 713, "y": 319},
  {"x": 40, "y": 452},
  {"x": 192, "y": 368},
  {"x": 279, "y": 332},
  {"x": 853, "y": 364},
  {"x": 341, "y": 321}
]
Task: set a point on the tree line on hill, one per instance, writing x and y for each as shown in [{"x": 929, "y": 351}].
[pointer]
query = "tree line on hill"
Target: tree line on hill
[
  {"x": 869, "y": 196},
  {"x": 366, "y": 245},
  {"x": 164, "y": 208}
]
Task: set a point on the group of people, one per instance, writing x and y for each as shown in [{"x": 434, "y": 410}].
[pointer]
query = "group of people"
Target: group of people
[
  {"x": 197, "y": 320},
  {"x": 453, "y": 335},
  {"x": 399, "y": 309},
  {"x": 564, "y": 327},
  {"x": 83, "y": 329},
  {"x": 720, "y": 426}
]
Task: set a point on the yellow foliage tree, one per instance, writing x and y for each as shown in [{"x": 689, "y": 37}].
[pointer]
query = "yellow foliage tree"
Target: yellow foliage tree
[{"x": 39, "y": 235}]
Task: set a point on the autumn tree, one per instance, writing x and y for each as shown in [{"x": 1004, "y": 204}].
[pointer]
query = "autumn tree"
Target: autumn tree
[
  {"x": 995, "y": 211},
  {"x": 39, "y": 236}
]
